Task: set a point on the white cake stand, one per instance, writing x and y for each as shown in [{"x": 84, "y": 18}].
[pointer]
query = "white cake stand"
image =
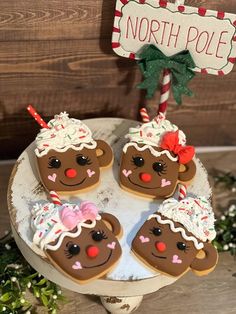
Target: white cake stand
[{"x": 122, "y": 290}]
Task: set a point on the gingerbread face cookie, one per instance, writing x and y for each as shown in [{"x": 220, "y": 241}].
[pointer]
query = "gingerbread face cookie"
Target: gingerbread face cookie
[
  {"x": 81, "y": 243},
  {"x": 170, "y": 240},
  {"x": 68, "y": 158},
  {"x": 156, "y": 159}
]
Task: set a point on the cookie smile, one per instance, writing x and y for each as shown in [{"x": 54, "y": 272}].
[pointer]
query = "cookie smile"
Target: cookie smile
[
  {"x": 163, "y": 257},
  {"x": 144, "y": 187},
  {"x": 101, "y": 263},
  {"x": 73, "y": 184}
]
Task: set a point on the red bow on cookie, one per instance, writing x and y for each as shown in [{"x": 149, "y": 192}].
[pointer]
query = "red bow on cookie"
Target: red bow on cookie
[{"x": 170, "y": 141}]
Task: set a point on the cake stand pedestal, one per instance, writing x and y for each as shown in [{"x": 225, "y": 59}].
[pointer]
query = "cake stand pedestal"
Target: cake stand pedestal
[
  {"x": 116, "y": 305},
  {"x": 123, "y": 289}
]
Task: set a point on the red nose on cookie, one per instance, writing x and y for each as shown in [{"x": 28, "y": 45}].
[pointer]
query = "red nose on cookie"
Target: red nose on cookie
[
  {"x": 160, "y": 246},
  {"x": 92, "y": 251},
  {"x": 145, "y": 177},
  {"x": 71, "y": 173}
]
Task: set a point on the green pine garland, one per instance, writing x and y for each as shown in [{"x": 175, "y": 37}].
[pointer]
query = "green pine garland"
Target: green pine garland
[
  {"x": 226, "y": 231},
  {"x": 225, "y": 179},
  {"x": 17, "y": 276},
  {"x": 226, "y": 225}
]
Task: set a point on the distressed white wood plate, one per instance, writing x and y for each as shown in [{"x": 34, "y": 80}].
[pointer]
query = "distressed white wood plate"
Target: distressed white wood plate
[{"x": 25, "y": 190}]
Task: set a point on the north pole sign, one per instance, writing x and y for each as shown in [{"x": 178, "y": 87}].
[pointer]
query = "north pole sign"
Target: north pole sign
[{"x": 210, "y": 36}]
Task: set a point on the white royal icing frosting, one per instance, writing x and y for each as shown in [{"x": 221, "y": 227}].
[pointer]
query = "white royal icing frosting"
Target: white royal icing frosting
[
  {"x": 150, "y": 134},
  {"x": 64, "y": 133},
  {"x": 151, "y": 149},
  {"x": 195, "y": 214},
  {"x": 48, "y": 227}
]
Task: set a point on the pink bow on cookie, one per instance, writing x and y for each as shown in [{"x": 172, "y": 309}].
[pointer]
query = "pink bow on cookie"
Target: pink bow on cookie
[
  {"x": 86, "y": 211},
  {"x": 170, "y": 142}
]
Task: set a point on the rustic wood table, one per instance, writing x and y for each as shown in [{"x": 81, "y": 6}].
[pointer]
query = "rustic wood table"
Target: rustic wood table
[{"x": 121, "y": 290}]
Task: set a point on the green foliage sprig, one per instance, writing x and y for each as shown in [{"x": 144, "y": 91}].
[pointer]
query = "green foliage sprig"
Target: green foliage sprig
[
  {"x": 226, "y": 231},
  {"x": 225, "y": 179},
  {"x": 17, "y": 277},
  {"x": 226, "y": 225}
]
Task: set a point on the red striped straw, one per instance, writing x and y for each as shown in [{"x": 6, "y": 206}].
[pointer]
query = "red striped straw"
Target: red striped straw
[
  {"x": 37, "y": 117},
  {"x": 55, "y": 198},
  {"x": 165, "y": 91},
  {"x": 144, "y": 115},
  {"x": 182, "y": 189}
]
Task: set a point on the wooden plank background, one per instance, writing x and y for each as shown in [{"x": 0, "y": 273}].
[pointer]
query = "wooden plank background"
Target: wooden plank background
[{"x": 57, "y": 56}]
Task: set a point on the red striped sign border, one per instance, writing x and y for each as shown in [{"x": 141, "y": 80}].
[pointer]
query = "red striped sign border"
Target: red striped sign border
[{"x": 182, "y": 9}]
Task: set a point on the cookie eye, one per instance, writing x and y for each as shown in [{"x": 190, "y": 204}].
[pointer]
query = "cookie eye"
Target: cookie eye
[
  {"x": 156, "y": 231},
  {"x": 159, "y": 167},
  {"x": 98, "y": 235},
  {"x": 72, "y": 249},
  {"x": 181, "y": 246},
  {"x": 54, "y": 163},
  {"x": 138, "y": 161},
  {"x": 83, "y": 160}
]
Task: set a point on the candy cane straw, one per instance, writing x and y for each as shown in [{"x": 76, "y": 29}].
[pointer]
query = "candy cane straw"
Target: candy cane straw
[
  {"x": 182, "y": 189},
  {"x": 144, "y": 115},
  {"x": 37, "y": 117},
  {"x": 55, "y": 198}
]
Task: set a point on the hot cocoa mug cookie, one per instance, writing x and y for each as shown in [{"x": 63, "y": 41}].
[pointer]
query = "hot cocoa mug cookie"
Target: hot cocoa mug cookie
[
  {"x": 170, "y": 240},
  {"x": 77, "y": 240},
  {"x": 156, "y": 159},
  {"x": 68, "y": 158}
]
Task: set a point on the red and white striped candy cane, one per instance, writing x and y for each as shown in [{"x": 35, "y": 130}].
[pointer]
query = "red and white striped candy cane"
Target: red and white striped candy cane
[
  {"x": 166, "y": 81},
  {"x": 165, "y": 91},
  {"x": 144, "y": 115},
  {"x": 182, "y": 190},
  {"x": 55, "y": 198}
]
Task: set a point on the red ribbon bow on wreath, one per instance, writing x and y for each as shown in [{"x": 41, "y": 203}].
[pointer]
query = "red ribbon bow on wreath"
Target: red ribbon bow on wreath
[{"x": 170, "y": 141}]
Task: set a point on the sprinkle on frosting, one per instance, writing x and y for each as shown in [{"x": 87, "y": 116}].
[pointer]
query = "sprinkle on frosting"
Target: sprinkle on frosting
[
  {"x": 51, "y": 222},
  {"x": 64, "y": 133},
  {"x": 150, "y": 134},
  {"x": 195, "y": 214}
]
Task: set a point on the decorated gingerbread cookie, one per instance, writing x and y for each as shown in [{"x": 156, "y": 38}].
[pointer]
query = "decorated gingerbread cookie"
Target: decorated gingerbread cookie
[
  {"x": 171, "y": 240},
  {"x": 156, "y": 159},
  {"x": 76, "y": 239},
  {"x": 68, "y": 158}
]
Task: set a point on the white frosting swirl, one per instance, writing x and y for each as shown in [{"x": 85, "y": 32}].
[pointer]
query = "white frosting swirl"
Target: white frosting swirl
[
  {"x": 195, "y": 214},
  {"x": 48, "y": 227},
  {"x": 150, "y": 134},
  {"x": 64, "y": 133}
]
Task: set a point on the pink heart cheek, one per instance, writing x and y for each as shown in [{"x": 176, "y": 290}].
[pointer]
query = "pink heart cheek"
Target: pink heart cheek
[
  {"x": 52, "y": 177},
  {"x": 77, "y": 265},
  {"x": 144, "y": 239},
  {"x": 165, "y": 183},
  {"x": 126, "y": 173},
  {"x": 176, "y": 259},
  {"x": 111, "y": 245},
  {"x": 90, "y": 173}
]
